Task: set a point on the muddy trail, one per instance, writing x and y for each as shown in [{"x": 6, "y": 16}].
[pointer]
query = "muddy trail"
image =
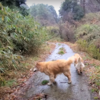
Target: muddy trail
[{"x": 78, "y": 90}]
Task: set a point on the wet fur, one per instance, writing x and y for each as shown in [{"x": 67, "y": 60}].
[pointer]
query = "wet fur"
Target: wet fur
[
  {"x": 78, "y": 62},
  {"x": 52, "y": 68}
]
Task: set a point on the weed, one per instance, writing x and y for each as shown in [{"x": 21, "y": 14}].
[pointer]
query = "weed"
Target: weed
[
  {"x": 44, "y": 82},
  {"x": 96, "y": 98},
  {"x": 62, "y": 51}
]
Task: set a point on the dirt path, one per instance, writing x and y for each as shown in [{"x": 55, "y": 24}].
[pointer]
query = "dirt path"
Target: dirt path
[{"x": 78, "y": 90}]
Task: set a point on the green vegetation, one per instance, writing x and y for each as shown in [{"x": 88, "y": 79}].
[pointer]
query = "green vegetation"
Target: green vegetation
[
  {"x": 88, "y": 36},
  {"x": 18, "y": 35},
  {"x": 44, "y": 82},
  {"x": 71, "y": 10},
  {"x": 19, "y": 5},
  {"x": 62, "y": 51},
  {"x": 91, "y": 49},
  {"x": 45, "y": 14},
  {"x": 95, "y": 80}
]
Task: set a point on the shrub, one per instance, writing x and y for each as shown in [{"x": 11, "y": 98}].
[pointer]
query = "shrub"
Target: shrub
[
  {"x": 95, "y": 78},
  {"x": 90, "y": 33},
  {"x": 67, "y": 31},
  {"x": 90, "y": 48},
  {"x": 53, "y": 30},
  {"x": 18, "y": 35}
]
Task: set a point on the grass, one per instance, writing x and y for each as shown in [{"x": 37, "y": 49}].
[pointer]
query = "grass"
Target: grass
[
  {"x": 62, "y": 51},
  {"x": 44, "y": 82}
]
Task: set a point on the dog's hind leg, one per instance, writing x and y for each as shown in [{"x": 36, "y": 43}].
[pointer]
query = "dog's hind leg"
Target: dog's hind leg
[{"x": 68, "y": 74}]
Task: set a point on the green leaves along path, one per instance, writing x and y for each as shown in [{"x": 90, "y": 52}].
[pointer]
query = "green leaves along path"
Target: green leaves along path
[{"x": 18, "y": 35}]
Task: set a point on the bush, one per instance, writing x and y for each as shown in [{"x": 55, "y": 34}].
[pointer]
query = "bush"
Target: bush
[
  {"x": 53, "y": 30},
  {"x": 89, "y": 48},
  {"x": 95, "y": 78},
  {"x": 90, "y": 33},
  {"x": 67, "y": 31},
  {"x": 18, "y": 35}
]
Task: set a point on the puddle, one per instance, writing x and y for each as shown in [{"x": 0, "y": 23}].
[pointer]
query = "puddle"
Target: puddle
[{"x": 78, "y": 90}]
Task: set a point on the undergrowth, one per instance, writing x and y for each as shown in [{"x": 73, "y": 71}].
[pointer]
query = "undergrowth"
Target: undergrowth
[
  {"x": 18, "y": 35},
  {"x": 94, "y": 52}
]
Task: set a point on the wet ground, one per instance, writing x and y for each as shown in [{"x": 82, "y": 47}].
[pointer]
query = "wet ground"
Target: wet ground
[{"x": 78, "y": 90}]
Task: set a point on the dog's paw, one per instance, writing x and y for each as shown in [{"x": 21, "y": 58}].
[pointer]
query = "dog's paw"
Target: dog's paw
[
  {"x": 49, "y": 84},
  {"x": 54, "y": 82},
  {"x": 69, "y": 82}
]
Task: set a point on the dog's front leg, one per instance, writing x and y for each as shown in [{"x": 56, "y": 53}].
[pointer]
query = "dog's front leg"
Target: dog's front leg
[
  {"x": 81, "y": 70},
  {"x": 68, "y": 74},
  {"x": 78, "y": 70},
  {"x": 52, "y": 80}
]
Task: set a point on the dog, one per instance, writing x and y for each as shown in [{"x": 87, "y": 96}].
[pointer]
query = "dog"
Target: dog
[
  {"x": 53, "y": 68},
  {"x": 78, "y": 63}
]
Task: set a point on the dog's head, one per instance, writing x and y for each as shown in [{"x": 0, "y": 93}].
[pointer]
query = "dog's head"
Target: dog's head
[
  {"x": 81, "y": 64},
  {"x": 37, "y": 67}
]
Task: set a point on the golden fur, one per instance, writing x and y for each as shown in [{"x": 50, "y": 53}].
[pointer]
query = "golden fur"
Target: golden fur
[
  {"x": 78, "y": 62},
  {"x": 52, "y": 68}
]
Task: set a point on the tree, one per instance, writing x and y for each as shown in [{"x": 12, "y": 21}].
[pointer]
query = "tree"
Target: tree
[
  {"x": 20, "y": 4},
  {"x": 71, "y": 10},
  {"x": 12, "y": 3},
  {"x": 44, "y": 14}
]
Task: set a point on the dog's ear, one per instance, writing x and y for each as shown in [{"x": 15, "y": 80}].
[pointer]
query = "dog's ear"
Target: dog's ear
[{"x": 38, "y": 63}]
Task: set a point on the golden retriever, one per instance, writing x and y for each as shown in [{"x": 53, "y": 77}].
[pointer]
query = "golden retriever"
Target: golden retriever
[
  {"x": 78, "y": 62},
  {"x": 52, "y": 68}
]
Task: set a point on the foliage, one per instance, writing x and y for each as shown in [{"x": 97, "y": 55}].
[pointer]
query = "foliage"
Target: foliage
[
  {"x": 44, "y": 82},
  {"x": 67, "y": 31},
  {"x": 90, "y": 33},
  {"x": 71, "y": 10},
  {"x": 45, "y": 14},
  {"x": 17, "y": 4},
  {"x": 53, "y": 30},
  {"x": 24, "y": 10},
  {"x": 12, "y": 3},
  {"x": 90, "y": 48},
  {"x": 18, "y": 35},
  {"x": 95, "y": 79},
  {"x": 62, "y": 51}
]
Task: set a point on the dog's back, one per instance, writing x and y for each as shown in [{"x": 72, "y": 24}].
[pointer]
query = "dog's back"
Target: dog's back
[{"x": 56, "y": 67}]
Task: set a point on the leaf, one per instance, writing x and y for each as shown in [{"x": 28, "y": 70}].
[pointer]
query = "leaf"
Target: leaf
[{"x": 2, "y": 18}]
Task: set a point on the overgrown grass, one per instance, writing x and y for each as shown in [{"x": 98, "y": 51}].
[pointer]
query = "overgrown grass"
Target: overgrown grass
[
  {"x": 94, "y": 52},
  {"x": 91, "y": 49},
  {"x": 88, "y": 36},
  {"x": 95, "y": 79}
]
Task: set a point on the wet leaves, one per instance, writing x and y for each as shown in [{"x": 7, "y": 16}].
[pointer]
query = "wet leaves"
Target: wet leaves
[{"x": 39, "y": 97}]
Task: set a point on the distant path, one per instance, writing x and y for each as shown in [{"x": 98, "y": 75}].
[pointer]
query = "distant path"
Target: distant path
[{"x": 78, "y": 90}]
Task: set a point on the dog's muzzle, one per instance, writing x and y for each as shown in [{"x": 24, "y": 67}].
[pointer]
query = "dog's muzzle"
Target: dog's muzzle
[{"x": 35, "y": 69}]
